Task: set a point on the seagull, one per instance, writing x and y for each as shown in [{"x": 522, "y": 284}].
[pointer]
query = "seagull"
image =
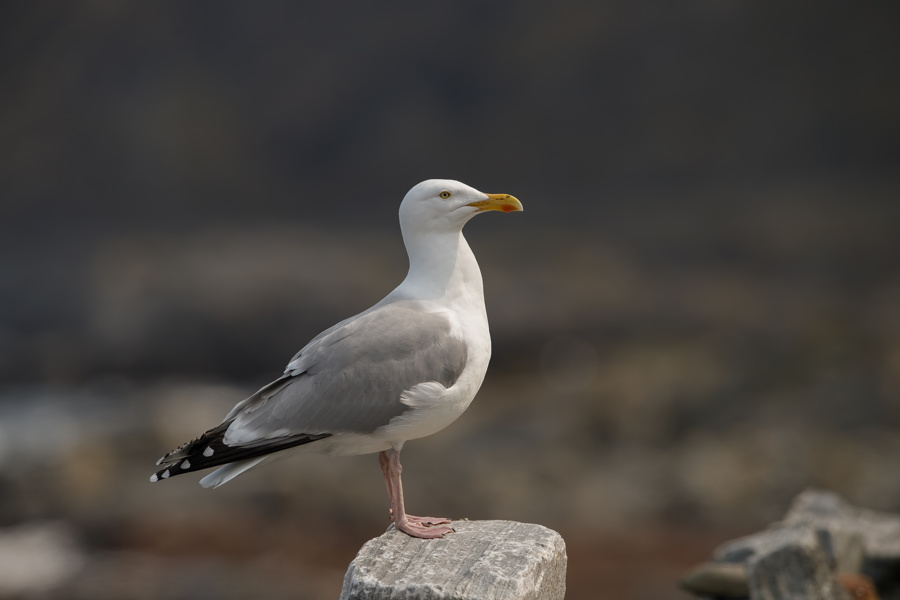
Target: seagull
[{"x": 403, "y": 369}]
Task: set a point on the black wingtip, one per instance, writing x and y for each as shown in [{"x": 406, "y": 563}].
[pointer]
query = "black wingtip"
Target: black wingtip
[
  {"x": 210, "y": 450},
  {"x": 173, "y": 469}
]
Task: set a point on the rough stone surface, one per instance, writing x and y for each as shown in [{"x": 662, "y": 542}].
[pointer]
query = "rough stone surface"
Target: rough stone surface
[
  {"x": 823, "y": 548},
  {"x": 843, "y": 548},
  {"x": 790, "y": 563},
  {"x": 483, "y": 560},
  {"x": 880, "y": 531}
]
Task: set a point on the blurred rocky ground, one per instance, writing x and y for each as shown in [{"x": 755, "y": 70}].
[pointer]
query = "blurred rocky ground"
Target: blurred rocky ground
[{"x": 696, "y": 317}]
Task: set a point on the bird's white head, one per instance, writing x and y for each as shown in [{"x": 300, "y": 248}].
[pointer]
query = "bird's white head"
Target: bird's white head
[
  {"x": 432, "y": 216},
  {"x": 444, "y": 205}
]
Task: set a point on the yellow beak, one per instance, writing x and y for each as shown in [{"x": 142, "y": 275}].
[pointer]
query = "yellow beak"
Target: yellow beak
[{"x": 503, "y": 202}]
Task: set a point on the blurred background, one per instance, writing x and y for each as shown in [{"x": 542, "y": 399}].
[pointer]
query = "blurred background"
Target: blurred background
[{"x": 696, "y": 317}]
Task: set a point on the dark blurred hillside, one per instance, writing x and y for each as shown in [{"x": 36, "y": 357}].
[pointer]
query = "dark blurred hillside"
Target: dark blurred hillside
[{"x": 184, "y": 113}]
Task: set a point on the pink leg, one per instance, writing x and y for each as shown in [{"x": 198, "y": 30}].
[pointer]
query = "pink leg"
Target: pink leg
[
  {"x": 420, "y": 527},
  {"x": 385, "y": 462}
]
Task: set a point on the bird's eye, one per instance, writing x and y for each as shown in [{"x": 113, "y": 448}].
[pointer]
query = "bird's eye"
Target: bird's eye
[{"x": 444, "y": 195}]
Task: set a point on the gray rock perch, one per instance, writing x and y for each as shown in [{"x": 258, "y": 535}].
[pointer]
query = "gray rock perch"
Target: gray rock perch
[{"x": 483, "y": 560}]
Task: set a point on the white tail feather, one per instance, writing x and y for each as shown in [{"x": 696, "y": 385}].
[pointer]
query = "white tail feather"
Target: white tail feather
[{"x": 228, "y": 472}]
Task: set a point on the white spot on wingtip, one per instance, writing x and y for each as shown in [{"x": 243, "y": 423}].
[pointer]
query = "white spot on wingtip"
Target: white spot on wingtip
[
  {"x": 154, "y": 478},
  {"x": 185, "y": 464},
  {"x": 208, "y": 452},
  {"x": 159, "y": 462},
  {"x": 165, "y": 474}
]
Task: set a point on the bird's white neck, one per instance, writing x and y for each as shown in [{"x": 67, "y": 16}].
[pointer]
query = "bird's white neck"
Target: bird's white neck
[{"x": 442, "y": 268}]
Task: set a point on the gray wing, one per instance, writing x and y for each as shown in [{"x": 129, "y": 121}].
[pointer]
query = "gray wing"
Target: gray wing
[{"x": 350, "y": 377}]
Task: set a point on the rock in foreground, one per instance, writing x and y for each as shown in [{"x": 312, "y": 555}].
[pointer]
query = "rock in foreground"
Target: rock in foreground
[{"x": 484, "y": 560}]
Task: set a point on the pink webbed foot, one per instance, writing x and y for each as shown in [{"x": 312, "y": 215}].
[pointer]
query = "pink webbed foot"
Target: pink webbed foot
[
  {"x": 420, "y": 527},
  {"x": 424, "y": 527}
]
